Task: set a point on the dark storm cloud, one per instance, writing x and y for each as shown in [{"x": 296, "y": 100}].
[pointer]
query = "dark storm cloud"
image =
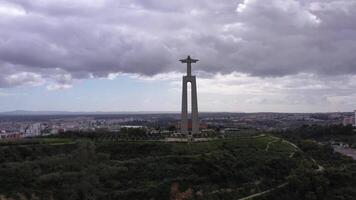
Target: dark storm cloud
[{"x": 93, "y": 38}]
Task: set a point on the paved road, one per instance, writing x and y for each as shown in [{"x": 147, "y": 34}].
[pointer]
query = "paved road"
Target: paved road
[{"x": 346, "y": 151}]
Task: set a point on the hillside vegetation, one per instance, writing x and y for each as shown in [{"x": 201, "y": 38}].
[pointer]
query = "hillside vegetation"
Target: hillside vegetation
[
  {"x": 260, "y": 167},
  {"x": 80, "y": 169}
]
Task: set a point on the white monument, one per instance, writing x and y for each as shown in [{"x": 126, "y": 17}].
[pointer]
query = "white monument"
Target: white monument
[{"x": 185, "y": 129}]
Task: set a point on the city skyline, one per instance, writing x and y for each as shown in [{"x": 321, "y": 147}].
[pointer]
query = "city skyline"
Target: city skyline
[{"x": 122, "y": 55}]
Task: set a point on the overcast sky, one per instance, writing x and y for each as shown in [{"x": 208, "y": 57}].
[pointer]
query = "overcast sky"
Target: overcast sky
[{"x": 122, "y": 55}]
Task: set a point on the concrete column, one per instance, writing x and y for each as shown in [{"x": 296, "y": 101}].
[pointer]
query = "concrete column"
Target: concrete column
[
  {"x": 184, "y": 123},
  {"x": 195, "y": 117},
  {"x": 189, "y": 69}
]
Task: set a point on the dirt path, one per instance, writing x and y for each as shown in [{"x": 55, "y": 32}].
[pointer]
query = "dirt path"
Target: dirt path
[
  {"x": 296, "y": 148},
  {"x": 264, "y": 192},
  {"x": 269, "y": 144}
]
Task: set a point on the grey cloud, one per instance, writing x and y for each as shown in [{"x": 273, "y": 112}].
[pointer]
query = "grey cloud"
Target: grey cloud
[{"x": 96, "y": 38}]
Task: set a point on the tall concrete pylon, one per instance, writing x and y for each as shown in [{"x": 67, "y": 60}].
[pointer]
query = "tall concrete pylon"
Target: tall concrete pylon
[{"x": 194, "y": 117}]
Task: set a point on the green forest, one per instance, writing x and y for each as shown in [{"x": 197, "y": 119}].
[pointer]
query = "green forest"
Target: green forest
[{"x": 75, "y": 168}]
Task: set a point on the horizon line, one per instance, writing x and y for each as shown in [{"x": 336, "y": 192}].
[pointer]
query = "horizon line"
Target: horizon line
[{"x": 158, "y": 112}]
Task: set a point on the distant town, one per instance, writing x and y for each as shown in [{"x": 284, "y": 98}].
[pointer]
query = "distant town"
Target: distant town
[{"x": 27, "y": 126}]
